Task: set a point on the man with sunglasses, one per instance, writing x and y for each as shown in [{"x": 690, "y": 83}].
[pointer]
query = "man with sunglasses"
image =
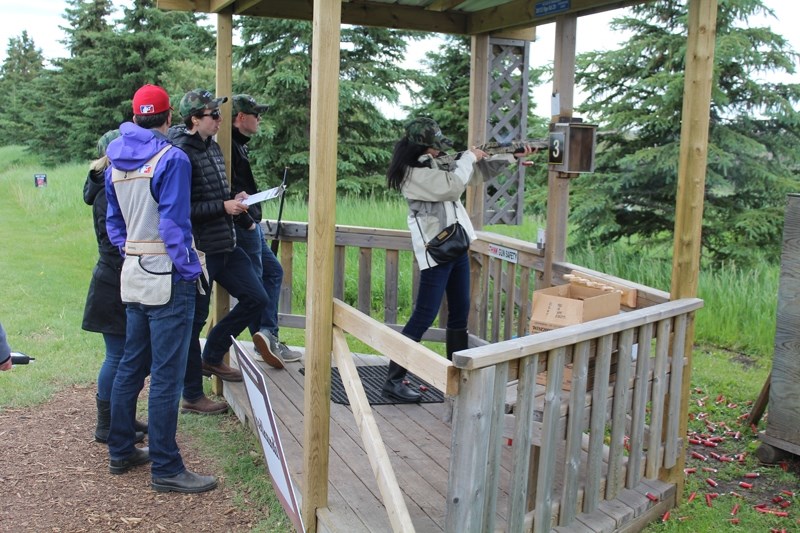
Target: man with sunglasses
[
  {"x": 213, "y": 209},
  {"x": 249, "y": 236}
]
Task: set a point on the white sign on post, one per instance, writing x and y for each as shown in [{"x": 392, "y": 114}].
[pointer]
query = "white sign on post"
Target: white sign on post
[{"x": 264, "y": 419}]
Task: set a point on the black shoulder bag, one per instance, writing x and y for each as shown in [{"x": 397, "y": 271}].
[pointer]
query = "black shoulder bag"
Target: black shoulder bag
[{"x": 450, "y": 243}]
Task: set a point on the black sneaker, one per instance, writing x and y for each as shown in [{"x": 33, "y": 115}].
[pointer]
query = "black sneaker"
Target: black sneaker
[{"x": 139, "y": 456}]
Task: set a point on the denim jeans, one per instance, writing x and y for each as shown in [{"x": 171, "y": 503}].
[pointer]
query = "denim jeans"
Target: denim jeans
[
  {"x": 267, "y": 267},
  {"x": 234, "y": 272},
  {"x": 115, "y": 348},
  {"x": 157, "y": 341},
  {"x": 449, "y": 278}
]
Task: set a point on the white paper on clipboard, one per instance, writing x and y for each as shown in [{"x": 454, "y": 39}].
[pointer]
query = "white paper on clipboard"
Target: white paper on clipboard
[{"x": 262, "y": 196}]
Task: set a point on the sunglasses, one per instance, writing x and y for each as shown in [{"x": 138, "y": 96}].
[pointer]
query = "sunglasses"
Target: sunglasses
[{"x": 215, "y": 115}]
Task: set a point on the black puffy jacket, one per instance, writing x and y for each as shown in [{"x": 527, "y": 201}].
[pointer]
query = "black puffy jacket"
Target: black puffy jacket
[{"x": 211, "y": 225}]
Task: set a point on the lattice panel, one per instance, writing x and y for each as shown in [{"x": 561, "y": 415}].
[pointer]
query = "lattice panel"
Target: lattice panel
[{"x": 507, "y": 120}]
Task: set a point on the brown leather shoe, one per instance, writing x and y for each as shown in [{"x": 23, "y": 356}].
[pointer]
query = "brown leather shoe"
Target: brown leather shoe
[
  {"x": 222, "y": 371},
  {"x": 204, "y": 406}
]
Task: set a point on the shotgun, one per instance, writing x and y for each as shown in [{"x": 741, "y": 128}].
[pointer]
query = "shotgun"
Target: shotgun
[
  {"x": 276, "y": 241},
  {"x": 510, "y": 147}
]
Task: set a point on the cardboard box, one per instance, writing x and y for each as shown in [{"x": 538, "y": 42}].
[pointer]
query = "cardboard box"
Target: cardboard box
[{"x": 565, "y": 305}]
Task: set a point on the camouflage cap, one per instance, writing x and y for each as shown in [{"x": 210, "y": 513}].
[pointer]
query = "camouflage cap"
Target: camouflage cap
[
  {"x": 105, "y": 140},
  {"x": 426, "y": 131},
  {"x": 244, "y": 103},
  {"x": 198, "y": 100}
]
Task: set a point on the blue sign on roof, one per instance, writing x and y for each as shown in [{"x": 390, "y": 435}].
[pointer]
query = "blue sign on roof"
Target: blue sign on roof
[{"x": 548, "y": 7}]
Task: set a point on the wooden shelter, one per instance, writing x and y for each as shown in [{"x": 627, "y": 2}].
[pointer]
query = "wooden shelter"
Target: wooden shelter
[{"x": 523, "y": 452}]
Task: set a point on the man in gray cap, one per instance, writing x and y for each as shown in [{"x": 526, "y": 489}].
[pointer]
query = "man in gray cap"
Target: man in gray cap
[
  {"x": 249, "y": 236},
  {"x": 213, "y": 209}
]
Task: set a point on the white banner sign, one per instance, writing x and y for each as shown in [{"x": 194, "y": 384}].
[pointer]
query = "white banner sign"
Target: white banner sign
[{"x": 264, "y": 418}]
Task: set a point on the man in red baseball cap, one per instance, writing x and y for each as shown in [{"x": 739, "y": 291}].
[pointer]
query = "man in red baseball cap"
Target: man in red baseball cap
[{"x": 148, "y": 187}]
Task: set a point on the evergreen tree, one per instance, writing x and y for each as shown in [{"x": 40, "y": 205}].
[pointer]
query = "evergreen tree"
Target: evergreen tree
[
  {"x": 23, "y": 63},
  {"x": 85, "y": 21},
  {"x": 91, "y": 91},
  {"x": 275, "y": 66},
  {"x": 637, "y": 93}
]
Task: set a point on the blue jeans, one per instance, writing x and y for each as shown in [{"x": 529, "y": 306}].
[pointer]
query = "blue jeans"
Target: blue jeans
[
  {"x": 115, "y": 348},
  {"x": 157, "y": 342},
  {"x": 267, "y": 267},
  {"x": 234, "y": 272},
  {"x": 449, "y": 278}
]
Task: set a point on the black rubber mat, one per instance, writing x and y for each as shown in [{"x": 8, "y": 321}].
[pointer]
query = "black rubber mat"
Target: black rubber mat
[{"x": 372, "y": 378}]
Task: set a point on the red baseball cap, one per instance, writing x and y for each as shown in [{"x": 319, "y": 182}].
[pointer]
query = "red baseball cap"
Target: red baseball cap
[{"x": 150, "y": 100}]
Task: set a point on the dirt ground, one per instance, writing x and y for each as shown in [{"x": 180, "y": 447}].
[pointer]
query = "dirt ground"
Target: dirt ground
[{"x": 54, "y": 478}]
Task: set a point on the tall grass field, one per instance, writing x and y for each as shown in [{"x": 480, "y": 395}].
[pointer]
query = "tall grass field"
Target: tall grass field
[{"x": 49, "y": 250}]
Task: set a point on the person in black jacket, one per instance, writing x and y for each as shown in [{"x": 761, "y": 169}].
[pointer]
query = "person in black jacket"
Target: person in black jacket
[
  {"x": 104, "y": 311},
  {"x": 213, "y": 209},
  {"x": 249, "y": 236}
]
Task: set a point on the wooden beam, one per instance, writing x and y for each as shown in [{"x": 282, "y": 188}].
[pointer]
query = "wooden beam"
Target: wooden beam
[
  {"x": 692, "y": 159},
  {"x": 522, "y": 13},
  {"x": 392, "y": 496},
  {"x": 319, "y": 269},
  {"x": 417, "y": 358},
  {"x": 217, "y": 6},
  {"x": 242, "y": 6},
  {"x": 478, "y": 111},
  {"x": 198, "y": 6},
  {"x": 444, "y": 5},
  {"x": 555, "y": 249},
  {"x": 368, "y": 14},
  {"x": 221, "y": 303}
]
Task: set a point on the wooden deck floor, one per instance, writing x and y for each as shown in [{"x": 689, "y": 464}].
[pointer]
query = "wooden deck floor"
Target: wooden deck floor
[{"x": 418, "y": 445}]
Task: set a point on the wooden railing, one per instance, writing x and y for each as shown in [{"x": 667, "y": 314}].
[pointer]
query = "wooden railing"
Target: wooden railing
[
  {"x": 625, "y": 379},
  {"x": 632, "y": 395}
]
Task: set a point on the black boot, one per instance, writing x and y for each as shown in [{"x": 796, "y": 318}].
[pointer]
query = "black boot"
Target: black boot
[
  {"x": 104, "y": 423},
  {"x": 395, "y": 388},
  {"x": 456, "y": 340}
]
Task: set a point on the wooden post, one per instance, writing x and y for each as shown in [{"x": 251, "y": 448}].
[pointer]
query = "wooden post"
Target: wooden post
[
  {"x": 478, "y": 104},
  {"x": 478, "y": 109},
  {"x": 319, "y": 269},
  {"x": 691, "y": 187},
  {"x": 470, "y": 450},
  {"x": 221, "y": 302},
  {"x": 557, "y": 186}
]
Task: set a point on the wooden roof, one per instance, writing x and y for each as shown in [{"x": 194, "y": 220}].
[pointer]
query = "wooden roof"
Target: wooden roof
[{"x": 464, "y": 17}]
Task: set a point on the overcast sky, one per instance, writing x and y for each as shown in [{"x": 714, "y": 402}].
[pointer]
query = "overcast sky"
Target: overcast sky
[{"x": 42, "y": 18}]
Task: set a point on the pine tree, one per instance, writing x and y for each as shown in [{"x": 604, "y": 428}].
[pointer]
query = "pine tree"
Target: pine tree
[
  {"x": 91, "y": 91},
  {"x": 636, "y": 92},
  {"x": 23, "y": 63}
]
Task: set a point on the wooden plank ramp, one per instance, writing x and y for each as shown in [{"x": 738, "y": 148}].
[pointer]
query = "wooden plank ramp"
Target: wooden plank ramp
[{"x": 418, "y": 445}]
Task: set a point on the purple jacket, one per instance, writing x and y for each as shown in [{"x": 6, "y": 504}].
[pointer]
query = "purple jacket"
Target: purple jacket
[{"x": 170, "y": 187}]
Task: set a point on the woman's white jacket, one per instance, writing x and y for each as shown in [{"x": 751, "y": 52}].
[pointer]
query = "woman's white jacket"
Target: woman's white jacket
[{"x": 434, "y": 196}]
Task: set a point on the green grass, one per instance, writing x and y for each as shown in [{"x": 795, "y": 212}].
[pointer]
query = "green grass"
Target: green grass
[{"x": 49, "y": 250}]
